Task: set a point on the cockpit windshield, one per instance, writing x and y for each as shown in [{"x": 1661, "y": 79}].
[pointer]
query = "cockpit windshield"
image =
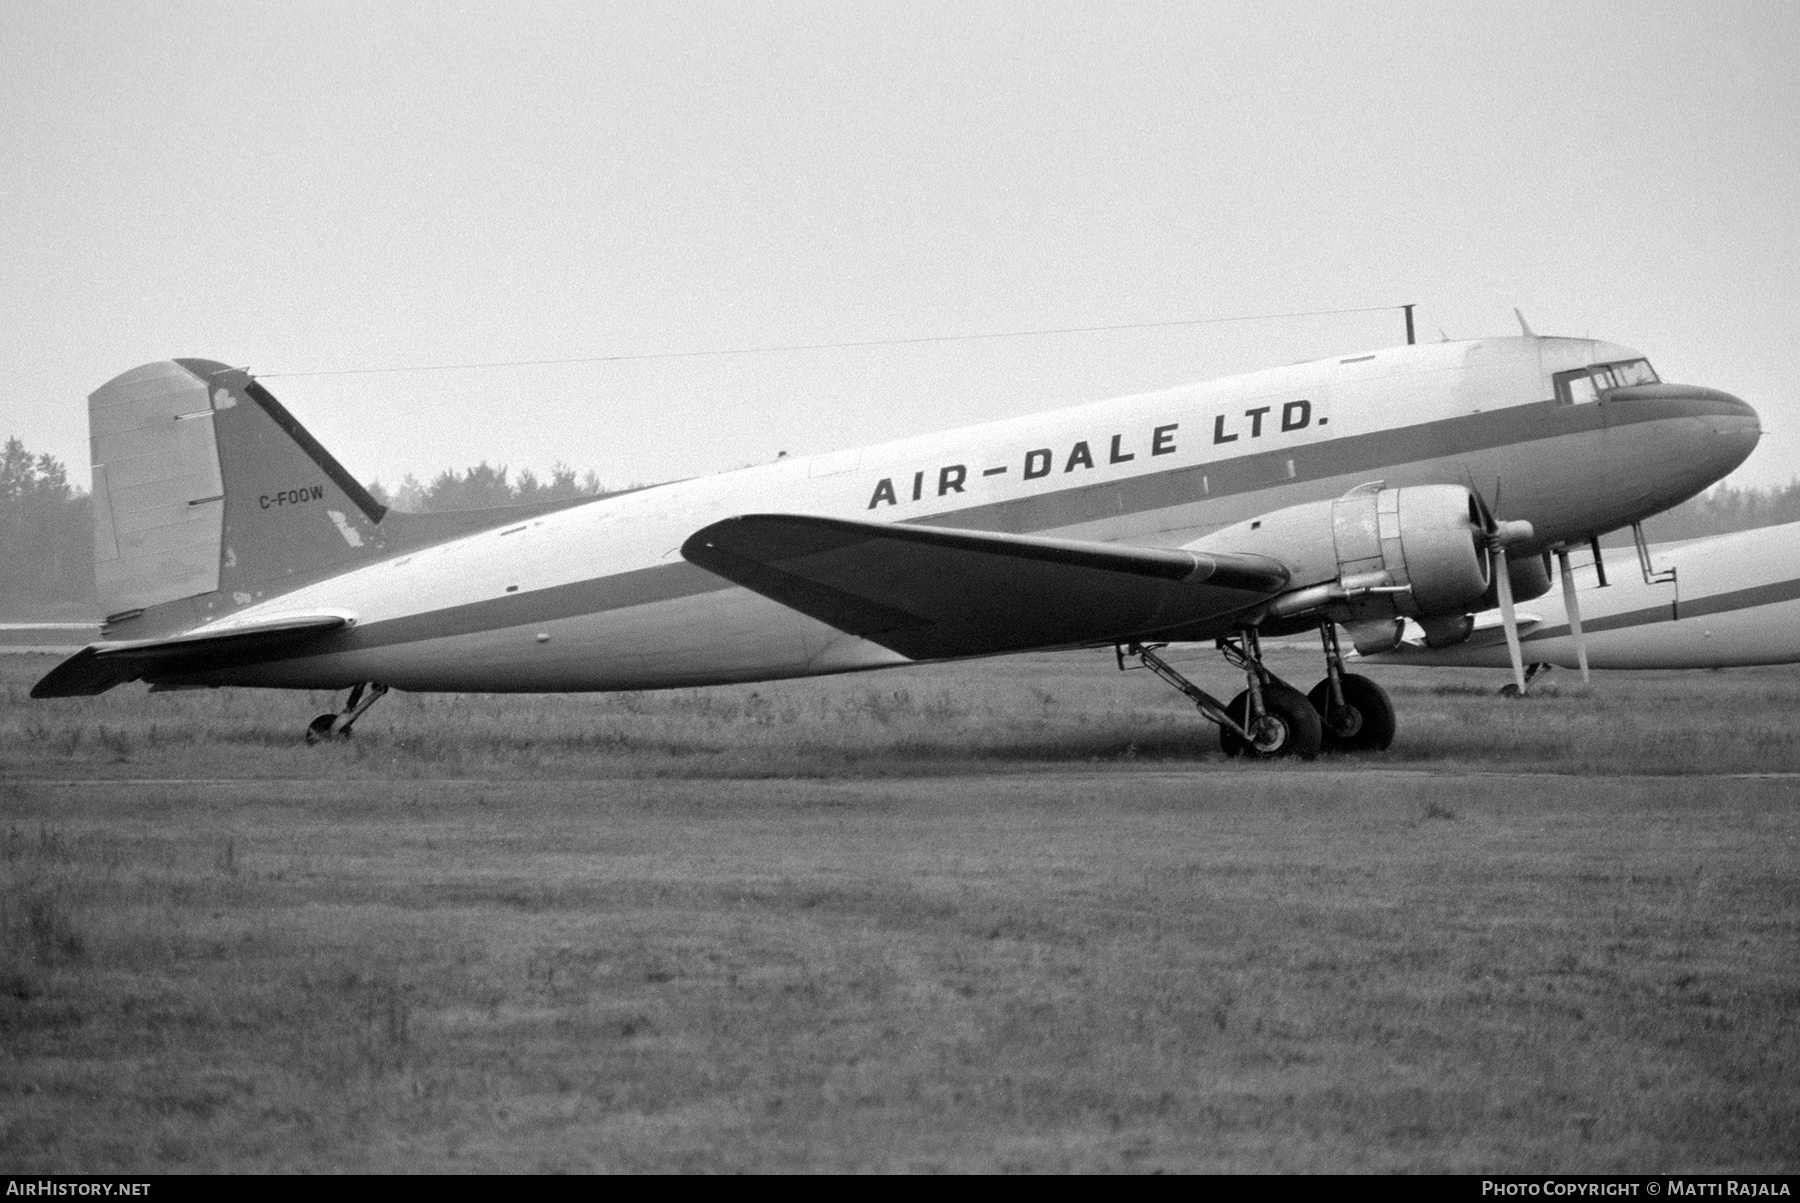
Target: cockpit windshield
[{"x": 1587, "y": 384}]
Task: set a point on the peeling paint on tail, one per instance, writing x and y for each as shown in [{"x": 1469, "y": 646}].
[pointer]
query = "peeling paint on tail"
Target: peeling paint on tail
[
  {"x": 292, "y": 512},
  {"x": 210, "y": 496}
]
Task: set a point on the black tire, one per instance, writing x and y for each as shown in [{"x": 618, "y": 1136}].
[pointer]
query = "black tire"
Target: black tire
[
  {"x": 319, "y": 730},
  {"x": 1229, "y": 742},
  {"x": 1367, "y": 725},
  {"x": 1290, "y": 728}
]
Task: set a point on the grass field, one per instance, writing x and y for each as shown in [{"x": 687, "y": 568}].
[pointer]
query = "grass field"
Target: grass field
[{"x": 1012, "y": 915}]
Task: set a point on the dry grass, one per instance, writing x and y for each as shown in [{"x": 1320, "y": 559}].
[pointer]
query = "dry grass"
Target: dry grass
[
  {"x": 1004, "y": 715},
  {"x": 1014, "y": 916}
]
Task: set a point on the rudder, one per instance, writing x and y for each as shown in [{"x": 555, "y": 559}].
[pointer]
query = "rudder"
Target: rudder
[{"x": 207, "y": 491}]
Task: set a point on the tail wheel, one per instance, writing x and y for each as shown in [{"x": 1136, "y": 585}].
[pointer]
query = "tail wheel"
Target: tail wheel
[
  {"x": 1364, "y": 724},
  {"x": 319, "y": 730},
  {"x": 337, "y": 726},
  {"x": 1289, "y": 726}
]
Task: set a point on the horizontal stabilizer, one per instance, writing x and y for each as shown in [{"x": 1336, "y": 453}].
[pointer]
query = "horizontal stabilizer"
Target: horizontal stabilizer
[
  {"x": 100, "y": 666},
  {"x": 928, "y": 592}
]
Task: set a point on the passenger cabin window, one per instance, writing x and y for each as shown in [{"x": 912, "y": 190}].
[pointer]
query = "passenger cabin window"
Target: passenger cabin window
[{"x": 1588, "y": 384}]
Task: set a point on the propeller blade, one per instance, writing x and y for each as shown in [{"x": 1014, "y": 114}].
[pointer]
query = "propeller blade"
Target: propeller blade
[
  {"x": 1509, "y": 618},
  {"x": 1481, "y": 505},
  {"x": 1574, "y": 608},
  {"x": 1499, "y": 534}
]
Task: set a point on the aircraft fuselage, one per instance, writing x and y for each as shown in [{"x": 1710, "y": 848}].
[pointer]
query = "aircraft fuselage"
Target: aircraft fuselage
[
  {"x": 598, "y": 596},
  {"x": 1721, "y": 602}
]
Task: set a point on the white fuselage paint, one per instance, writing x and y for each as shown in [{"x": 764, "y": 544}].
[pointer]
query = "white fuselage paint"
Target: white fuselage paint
[
  {"x": 455, "y": 616},
  {"x": 1734, "y": 601}
]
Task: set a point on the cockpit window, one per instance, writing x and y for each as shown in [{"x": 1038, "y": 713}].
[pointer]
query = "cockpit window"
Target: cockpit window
[
  {"x": 1587, "y": 384},
  {"x": 1618, "y": 375}
]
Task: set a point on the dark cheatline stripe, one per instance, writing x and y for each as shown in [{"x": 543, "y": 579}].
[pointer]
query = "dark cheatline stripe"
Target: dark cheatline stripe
[
  {"x": 1718, "y": 603},
  {"x": 1379, "y": 450},
  {"x": 1376, "y": 451}
]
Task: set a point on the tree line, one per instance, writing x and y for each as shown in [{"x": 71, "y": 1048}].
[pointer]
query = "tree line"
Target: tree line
[
  {"x": 46, "y": 539},
  {"x": 485, "y": 486},
  {"x": 47, "y": 524}
]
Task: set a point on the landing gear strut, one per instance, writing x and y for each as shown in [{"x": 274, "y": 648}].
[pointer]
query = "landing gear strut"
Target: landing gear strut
[
  {"x": 1354, "y": 712},
  {"x": 1343, "y": 713},
  {"x": 1532, "y": 673},
  {"x": 337, "y": 726},
  {"x": 1275, "y": 716},
  {"x": 1269, "y": 718}
]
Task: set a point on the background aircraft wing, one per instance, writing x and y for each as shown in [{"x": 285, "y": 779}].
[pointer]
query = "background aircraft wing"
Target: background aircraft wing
[
  {"x": 1488, "y": 628},
  {"x": 929, "y": 592},
  {"x": 100, "y": 666}
]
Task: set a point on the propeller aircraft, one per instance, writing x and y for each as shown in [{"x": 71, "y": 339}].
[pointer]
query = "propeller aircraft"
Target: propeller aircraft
[
  {"x": 1721, "y": 602},
  {"x": 1421, "y": 482}
]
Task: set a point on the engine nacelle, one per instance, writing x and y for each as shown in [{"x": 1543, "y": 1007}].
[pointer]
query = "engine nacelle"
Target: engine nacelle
[
  {"x": 1530, "y": 577},
  {"x": 1447, "y": 630},
  {"x": 1376, "y": 636},
  {"x": 1375, "y": 553}
]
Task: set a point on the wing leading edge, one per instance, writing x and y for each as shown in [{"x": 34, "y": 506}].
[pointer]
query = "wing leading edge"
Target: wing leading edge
[{"x": 931, "y": 593}]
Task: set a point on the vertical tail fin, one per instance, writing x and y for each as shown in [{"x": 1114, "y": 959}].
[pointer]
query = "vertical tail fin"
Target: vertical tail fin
[{"x": 208, "y": 492}]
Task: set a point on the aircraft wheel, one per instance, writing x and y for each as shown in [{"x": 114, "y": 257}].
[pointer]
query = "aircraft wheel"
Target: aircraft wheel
[
  {"x": 1289, "y": 726},
  {"x": 1366, "y": 723},
  {"x": 319, "y": 729}
]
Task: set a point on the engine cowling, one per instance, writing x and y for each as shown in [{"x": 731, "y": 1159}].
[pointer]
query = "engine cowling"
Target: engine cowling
[
  {"x": 1448, "y": 630},
  {"x": 1530, "y": 576},
  {"x": 1375, "y": 553}
]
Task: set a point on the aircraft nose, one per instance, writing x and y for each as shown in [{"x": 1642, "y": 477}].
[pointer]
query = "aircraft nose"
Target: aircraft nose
[
  {"x": 1732, "y": 426},
  {"x": 1735, "y": 425},
  {"x": 1738, "y": 433}
]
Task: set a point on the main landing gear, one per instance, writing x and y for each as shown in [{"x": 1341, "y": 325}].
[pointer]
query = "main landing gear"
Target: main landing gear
[
  {"x": 1354, "y": 712},
  {"x": 1270, "y": 718},
  {"x": 337, "y": 726}
]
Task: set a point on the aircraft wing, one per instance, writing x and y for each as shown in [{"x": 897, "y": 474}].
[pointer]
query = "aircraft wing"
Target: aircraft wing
[
  {"x": 1489, "y": 629},
  {"x": 100, "y": 666},
  {"x": 930, "y": 592}
]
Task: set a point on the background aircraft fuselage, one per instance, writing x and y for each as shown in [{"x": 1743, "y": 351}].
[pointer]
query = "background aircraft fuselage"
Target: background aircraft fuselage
[{"x": 1722, "y": 602}]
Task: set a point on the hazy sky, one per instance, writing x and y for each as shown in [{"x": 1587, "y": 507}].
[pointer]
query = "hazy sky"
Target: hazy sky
[{"x": 308, "y": 186}]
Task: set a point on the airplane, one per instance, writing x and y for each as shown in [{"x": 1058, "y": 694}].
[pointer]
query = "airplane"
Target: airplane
[
  {"x": 233, "y": 550},
  {"x": 1720, "y": 602}
]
